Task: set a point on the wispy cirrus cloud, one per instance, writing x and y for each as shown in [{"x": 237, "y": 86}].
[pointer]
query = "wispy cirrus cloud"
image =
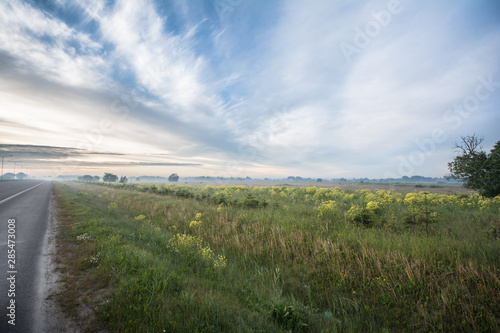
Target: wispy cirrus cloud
[{"x": 46, "y": 46}]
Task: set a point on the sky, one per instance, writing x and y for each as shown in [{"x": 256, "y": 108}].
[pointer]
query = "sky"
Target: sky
[{"x": 236, "y": 88}]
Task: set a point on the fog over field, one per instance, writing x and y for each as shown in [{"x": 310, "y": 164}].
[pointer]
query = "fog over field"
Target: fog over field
[{"x": 377, "y": 89}]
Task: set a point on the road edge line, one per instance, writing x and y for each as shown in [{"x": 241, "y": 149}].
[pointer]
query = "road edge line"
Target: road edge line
[{"x": 15, "y": 195}]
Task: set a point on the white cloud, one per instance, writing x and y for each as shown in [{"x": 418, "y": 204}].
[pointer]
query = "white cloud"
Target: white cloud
[
  {"x": 393, "y": 93},
  {"x": 162, "y": 62},
  {"x": 269, "y": 89},
  {"x": 46, "y": 46}
]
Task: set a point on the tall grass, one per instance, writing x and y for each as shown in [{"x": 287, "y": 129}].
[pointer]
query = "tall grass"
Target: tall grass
[{"x": 239, "y": 259}]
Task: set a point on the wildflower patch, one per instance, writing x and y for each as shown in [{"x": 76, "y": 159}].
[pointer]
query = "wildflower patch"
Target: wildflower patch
[{"x": 192, "y": 249}]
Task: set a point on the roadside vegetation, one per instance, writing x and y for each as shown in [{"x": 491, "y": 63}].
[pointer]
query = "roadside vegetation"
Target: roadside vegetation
[{"x": 175, "y": 258}]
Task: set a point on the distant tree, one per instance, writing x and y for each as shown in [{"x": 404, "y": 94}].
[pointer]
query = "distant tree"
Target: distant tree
[
  {"x": 21, "y": 175},
  {"x": 477, "y": 169},
  {"x": 96, "y": 178},
  {"x": 173, "y": 177},
  {"x": 319, "y": 180},
  {"x": 86, "y": 178},
  {"x": 109, "y": 177},
  {"x": 8, "y": 176},
  {"x": 123, "y": 179}
]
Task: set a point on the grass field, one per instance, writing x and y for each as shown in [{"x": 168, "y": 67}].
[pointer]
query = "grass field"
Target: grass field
[{"x": 175, "y": 258}]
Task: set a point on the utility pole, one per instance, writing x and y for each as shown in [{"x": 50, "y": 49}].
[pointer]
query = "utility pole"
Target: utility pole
[
  {"x": 1, "y": 175},
  {"x": 15, "y": 162}
]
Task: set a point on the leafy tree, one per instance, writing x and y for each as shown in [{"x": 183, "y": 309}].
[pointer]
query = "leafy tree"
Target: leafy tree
[
  {"x": 21, "y": 175},
  {"x": 8, "y": 176},
  {"x": 96, "y": 178},
  {"x": 86, "y": 178},
  {"x": 123, "y": 179},
  {"x": 477, "y": 169},
  {"x": 173, "y": 177},
  {"x": 109, "y": 177}
]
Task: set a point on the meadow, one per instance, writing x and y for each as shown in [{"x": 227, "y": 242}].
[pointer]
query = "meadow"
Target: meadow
[{"x": 179, "y": 258}]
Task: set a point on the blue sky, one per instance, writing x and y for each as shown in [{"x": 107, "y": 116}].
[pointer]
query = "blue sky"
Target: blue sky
[{"x": 246, "y": 88}]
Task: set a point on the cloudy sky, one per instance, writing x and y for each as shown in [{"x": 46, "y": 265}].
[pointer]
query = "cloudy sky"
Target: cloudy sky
[{"x": 227, "y": 88}]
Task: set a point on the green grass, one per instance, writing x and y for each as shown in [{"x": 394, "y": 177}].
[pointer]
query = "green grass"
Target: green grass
[{"x": 239, "y": 259}]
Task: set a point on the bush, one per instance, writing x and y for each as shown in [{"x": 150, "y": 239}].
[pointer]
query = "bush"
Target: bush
[
  {"x": 220, "y": 198},
  {"x": 362, "y": 216},
  {"x": 252, "y": 201},
  {"x": 326, "y": 209},
  {"x": 184, "y": 193},
  {"x": 419, "y": 212}
]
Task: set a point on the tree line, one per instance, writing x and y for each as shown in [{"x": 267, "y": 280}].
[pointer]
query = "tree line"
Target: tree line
[
  {"x": 477, "y": 169},
  {"x": 112, "y": 178}
]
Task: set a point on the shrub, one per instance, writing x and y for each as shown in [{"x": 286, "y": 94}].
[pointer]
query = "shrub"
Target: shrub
[
  {"x": 184, "y": 193},
  {"x": 252, "y": 201},
  {"x": 419, "y": 212},
  {"x": 220, "y": 198},
  {"x": 361, "y": 215},
  {"x": 327, "y": 209}
]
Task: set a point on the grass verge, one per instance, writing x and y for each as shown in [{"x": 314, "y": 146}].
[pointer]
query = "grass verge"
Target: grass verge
[{"x": 237, "y": 259}]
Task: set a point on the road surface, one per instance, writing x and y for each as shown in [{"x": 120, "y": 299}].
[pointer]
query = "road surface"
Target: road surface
[{"x": 24, "y": 216}]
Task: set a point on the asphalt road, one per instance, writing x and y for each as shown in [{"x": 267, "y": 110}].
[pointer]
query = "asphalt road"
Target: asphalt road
[{"x": 21, "y": 280}]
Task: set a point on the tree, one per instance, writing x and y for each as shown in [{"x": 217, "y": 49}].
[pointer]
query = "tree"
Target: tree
[
  {"x": 477, "y": 169},
  {"x": 123, "y": 179},
  {"x": 21, "y": 175},
  {"x": 96, "y": 178},
  {"x": 109, "y": 177},
  {"x": 173, "y": 177},
  {"x": 8, "y": 176},
  {"x": 86, "y": 178}
]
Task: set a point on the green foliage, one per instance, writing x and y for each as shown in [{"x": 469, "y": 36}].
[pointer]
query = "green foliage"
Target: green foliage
[
  {"x": 290, "y": 318},
  {"x": 251, "y": 201},
  {"x": 327, "y": 209},
  {"x": 184, "y": 193},
  {"x": 86, "y": 178},
  {"x": 220, "y": 198},
  {"x": 173, "y": 177},
  {"x": 361, "y": 215},
  {"x": 109, "y": 177},
  {"x": 192, "y": 251},
  {"x": 420, "y": 212},
  {"x": 478, "y": 170},
  {"x": 272, "y": 259}
]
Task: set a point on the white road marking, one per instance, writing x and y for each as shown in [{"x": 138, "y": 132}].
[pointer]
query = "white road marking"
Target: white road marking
[{"x": 15, "y": 195}]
